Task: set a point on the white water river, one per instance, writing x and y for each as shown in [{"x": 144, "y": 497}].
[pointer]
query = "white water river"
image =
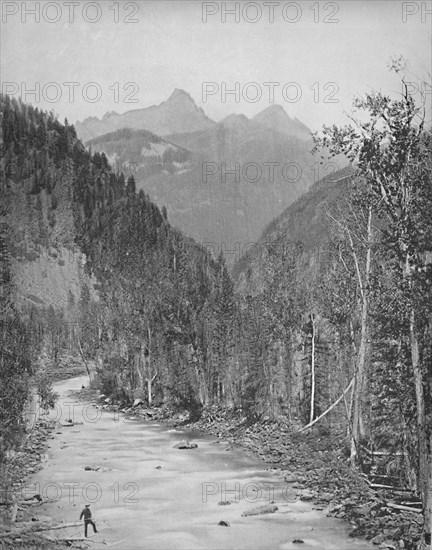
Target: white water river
[{"x": 140, "y": 506}]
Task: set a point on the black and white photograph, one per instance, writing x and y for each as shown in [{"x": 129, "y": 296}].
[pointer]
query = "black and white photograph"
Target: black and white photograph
[{"x": 216, "y": 275}]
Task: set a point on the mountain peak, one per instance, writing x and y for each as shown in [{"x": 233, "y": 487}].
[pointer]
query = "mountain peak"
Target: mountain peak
[
  {"x": 277, "y": 118},
  {"x": 180, "y": 95},
  {"x": 109, "y": 114},
  {"x": 235, "y": 120},
  {"x": 177, "y": 114},
  {"x": 274, "y": 109}
]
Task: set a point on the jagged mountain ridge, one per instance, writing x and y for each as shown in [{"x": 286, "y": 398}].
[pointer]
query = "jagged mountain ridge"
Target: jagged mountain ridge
[
  {"x": 226, "y": 213},
  {"x": 236, "y": 132},
  {"x": 179, "y": 113}
]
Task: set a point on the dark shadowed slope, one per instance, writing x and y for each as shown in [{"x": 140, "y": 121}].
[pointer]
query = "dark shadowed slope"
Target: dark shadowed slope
[{"x": 304, "y": 222}]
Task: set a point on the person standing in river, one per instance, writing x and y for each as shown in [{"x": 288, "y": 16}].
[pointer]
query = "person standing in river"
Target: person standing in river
[{"x": 86, "y": 513}]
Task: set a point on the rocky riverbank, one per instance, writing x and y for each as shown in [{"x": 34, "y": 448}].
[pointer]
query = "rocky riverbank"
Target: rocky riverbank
[
  {"x": 21, "y": 524},
  {"x": 316, "y": 467}
]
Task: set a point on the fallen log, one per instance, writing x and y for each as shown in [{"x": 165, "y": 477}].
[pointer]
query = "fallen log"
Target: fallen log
[
  {"x": 382, "y": 476},
  {"x": 381, "y": 453},
  {"x": 383, "y": 486},
  {"x": 328, "y": 410},
  {"x": 32, "y": 527},
  {"x": 380, "y": 486},
  {"x": 68, "y": 539},
  {"x": 389, "y": 487},
  {"x": 404, "y": 508},
  {"x": 62, "y": 526}
]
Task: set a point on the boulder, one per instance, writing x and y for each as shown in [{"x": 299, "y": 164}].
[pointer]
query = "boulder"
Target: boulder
[
  {"x": 35, "y": 497},
  {"x": 326, "y": 497},
  {"x": 290, "y": 478},
  {"x": 306, "y": 495}
]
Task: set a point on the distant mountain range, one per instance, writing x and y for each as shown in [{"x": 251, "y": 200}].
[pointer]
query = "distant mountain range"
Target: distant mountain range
[
  {"x": 178, "y": 114},
  {"x": 221, "y": 183}
]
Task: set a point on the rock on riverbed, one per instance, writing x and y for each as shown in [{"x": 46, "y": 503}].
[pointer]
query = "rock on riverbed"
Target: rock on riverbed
[
  {"x": 185, "y": 445},
  {"x": 266, "y": 509}
]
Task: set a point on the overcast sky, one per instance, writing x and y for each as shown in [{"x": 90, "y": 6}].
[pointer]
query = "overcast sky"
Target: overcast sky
[{"x": 170, "y": 46}]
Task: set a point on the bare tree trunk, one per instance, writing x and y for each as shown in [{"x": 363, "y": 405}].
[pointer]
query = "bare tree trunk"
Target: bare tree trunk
[
  {"x": 83, "y": 358},
  {"x": 351, "y": 403},
  {"x": 138, "y": 361},
  {"x": 358, "y": 431},
  {"x": 202, "y": 393},
  {"x": 312, "y": 406},
  {"x": 424, "y": 430},
  {"x": 357, "y": 423},
  {"x": 427, "y": 507},
  {"x": 150, "y": 389},
  {"x": 424, "y": 440},
  {"x": 149, "y": 378}
]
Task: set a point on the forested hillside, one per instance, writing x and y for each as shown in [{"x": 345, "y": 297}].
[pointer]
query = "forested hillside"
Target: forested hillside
[
  {"x": 141, "y": 153},
  {"x": 132, "y": 292}
]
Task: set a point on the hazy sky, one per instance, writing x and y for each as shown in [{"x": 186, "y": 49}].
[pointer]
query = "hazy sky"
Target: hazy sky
[{"x": 170, "y": 46}]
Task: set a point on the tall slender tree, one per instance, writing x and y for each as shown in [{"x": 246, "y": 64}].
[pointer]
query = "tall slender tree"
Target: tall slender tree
[{"x": 392, "y": 150}]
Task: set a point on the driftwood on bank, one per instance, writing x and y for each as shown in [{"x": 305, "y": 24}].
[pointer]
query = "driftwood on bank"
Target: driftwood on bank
[
  {"x": 69, "y": 539},
  {"x": 33, "y": 527},
  {"x": 62, "y": 526},
  {"x": 404, "y": 508},
  {"x": 378, "y": 486},
  {"x": 389, "y": 487},
  {"x": 370, "y": 452}
]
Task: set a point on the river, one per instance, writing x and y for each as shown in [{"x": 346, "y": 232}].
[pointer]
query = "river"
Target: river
[{"x": 147, "y": 494}]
